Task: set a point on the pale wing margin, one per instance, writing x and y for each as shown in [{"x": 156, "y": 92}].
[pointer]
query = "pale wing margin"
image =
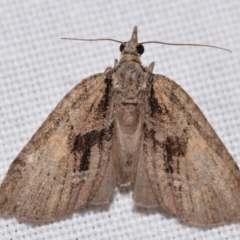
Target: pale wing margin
[
  {"x": 191, "y": 172},
  {"x": 62, "y": 166}
]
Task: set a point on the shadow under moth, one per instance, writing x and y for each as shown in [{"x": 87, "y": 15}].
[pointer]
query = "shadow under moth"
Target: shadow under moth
[{"x": 126, "y": 126}]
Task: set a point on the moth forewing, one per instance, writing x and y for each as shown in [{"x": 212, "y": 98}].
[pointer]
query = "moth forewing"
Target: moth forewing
[{"x": 131, "y": 127}]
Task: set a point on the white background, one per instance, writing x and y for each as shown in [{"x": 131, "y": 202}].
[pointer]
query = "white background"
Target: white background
[{"x": 37, "y": 69}]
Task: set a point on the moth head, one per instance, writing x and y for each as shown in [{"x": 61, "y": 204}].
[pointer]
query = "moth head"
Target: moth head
[{"x": 132, "y": 46}]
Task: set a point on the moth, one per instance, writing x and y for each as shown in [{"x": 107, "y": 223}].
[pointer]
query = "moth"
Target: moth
[{"x": 130, "y": 127}]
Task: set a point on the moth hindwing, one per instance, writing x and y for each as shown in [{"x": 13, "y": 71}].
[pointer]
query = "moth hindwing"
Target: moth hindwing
[{"x": 126, "y": 126}]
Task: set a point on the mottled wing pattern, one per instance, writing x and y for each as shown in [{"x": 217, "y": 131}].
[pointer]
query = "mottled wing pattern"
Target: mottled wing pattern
[
  {"x": 191, "y": 172},
  {"x": 62, "y": 166}
]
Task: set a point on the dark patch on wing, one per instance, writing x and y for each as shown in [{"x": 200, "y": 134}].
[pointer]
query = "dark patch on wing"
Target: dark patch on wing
[
  {"x": 104, "y": 103},
  {"x": 153, "y": 103},
  {"x": 169, "y": 169},
  {"x": 150, "y": 133},
  {"x": 17, "y": 166},
  {"x": 129, "y": 162},
  {"x": 19, "y": 161},
  {"x": 84, "y": 143},
  {"x": 212, "y": 140},
  {"x": 174, "y": 147}
]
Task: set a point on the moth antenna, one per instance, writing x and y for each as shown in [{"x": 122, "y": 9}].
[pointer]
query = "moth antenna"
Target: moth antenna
[
  {"x": 91, "y": 40},
  {"x": 188, "y": 44}
]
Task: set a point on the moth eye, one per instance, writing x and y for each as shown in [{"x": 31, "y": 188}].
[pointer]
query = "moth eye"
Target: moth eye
[
  {"x": 122, "y": 47},
  {"x": 140, "y": 49}
]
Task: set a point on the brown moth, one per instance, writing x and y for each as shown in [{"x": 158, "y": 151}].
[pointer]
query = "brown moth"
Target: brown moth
[{"x": 126, "y": 126}]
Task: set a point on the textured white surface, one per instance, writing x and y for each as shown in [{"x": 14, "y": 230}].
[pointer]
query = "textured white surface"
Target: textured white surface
[{"x": 37, "y": 69}]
